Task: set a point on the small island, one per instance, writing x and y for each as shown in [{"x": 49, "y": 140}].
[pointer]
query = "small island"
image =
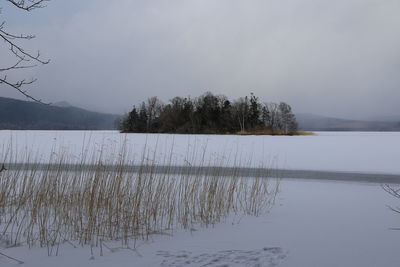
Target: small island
[{"x": 211, "y": 114}]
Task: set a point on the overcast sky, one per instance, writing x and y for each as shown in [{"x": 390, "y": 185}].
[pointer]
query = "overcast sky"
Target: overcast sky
[{"x": 338, "y": 58}]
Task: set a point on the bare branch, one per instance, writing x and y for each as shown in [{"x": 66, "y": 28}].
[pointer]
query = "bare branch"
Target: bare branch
[
  {"x": 28, "y": 5},
  {"x": 13, "y": 36},
  {"x": 24, "y": 59},
  {"x": 17, "y": 66},
  {"x": 18, "y": 86},
  {"x": 19, "y": 52},
  {"x": 397, "y": 210},
  {"x": 391, "y": 190}
]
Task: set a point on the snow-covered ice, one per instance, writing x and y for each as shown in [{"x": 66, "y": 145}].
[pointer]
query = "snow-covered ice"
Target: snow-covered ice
[
  {"x": 370, "y": 152},
  {"x": 313, "y": 223}
]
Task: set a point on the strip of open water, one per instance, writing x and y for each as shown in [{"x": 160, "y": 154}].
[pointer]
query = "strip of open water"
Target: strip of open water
[{"x": 218, "y": 170}]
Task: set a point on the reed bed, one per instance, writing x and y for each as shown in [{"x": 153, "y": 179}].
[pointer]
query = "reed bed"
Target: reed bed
[{"x": 89, "y": 206}]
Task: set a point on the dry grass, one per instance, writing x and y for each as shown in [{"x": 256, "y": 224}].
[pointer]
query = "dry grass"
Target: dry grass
[
  {"x": 275, "y": 132},
  {"x": 91, "y": 206},
  {"x": 305, "y": 133}
]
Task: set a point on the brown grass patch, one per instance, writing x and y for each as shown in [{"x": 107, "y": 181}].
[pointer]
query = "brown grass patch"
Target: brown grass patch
[{"x": 276, "y": 132}]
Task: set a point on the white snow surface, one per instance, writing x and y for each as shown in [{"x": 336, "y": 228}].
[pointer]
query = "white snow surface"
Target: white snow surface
[
  {"x": 313, "y": 223},
  {"x": 368, "y": 152}
]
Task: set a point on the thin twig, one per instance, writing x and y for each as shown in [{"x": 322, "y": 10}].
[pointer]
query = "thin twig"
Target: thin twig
[{"x": 17, "y": 260}]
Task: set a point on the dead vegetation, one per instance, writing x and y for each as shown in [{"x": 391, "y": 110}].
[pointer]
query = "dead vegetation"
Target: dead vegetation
[
  {"x": 84, "y": 206},
  {"x": 275, "y": 132}
]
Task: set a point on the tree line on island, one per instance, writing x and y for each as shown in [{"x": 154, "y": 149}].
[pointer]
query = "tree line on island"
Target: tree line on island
[{"x": 211, "y": 114}]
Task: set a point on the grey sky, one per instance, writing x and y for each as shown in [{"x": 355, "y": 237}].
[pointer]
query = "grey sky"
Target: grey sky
[{"x": 338, "y": 58}]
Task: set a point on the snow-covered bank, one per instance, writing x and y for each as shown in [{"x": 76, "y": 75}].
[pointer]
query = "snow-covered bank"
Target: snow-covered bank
[
  {"x": 312, "y": 224},
  {"x": 365, "y": 152}
]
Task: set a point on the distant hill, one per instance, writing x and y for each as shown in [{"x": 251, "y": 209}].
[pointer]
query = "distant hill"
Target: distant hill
[
  {"x": 62, "y": 104},
  {"x": 25, "y": 115},
  {"x": 311, "y": 122}
]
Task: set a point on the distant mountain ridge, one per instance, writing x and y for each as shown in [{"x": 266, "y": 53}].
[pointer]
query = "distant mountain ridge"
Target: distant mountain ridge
[
  {"x": 25, "y": 115},
  {"x": 62, "y": 104},
  {"x": 312, "y": 122}
]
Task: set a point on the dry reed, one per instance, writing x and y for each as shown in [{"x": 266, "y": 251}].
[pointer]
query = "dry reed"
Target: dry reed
[{"x": 51, "y": 206}]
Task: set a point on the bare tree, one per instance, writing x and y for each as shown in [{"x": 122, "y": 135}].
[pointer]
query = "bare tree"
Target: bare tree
[
  {"x": 153, "y": 108},
  {"x": 241, "y": 110},
  {"x": 271, "y": 115},
  {"x": 287, "y": 120},
  {"x": 23, "y": 58}
]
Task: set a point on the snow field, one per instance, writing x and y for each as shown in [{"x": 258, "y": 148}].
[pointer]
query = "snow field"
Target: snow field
[{"x": 366, "y": 152}]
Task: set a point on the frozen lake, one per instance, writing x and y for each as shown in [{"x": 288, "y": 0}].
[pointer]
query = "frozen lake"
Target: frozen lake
[
  {"x": 362, "y": 152},
  {"x": 313, "y": 222}
]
